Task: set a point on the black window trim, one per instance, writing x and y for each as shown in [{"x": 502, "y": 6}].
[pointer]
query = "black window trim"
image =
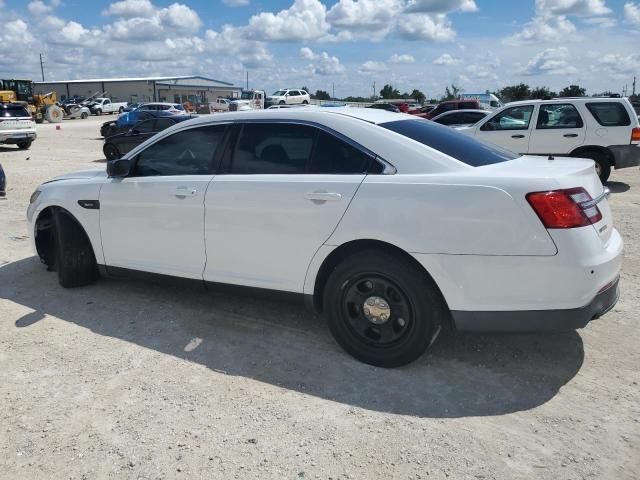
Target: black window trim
[{"x": 558, "y": 104}]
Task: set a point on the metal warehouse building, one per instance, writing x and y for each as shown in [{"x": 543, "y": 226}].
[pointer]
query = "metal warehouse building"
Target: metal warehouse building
[{"x": 195, "y": 89}]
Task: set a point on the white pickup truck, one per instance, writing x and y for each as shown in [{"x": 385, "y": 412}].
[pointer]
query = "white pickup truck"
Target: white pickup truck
[{"x": 105, "y": 105}]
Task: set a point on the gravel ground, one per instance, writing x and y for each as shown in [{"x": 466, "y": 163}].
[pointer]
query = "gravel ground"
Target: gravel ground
[{"x": 125, "y": 379}]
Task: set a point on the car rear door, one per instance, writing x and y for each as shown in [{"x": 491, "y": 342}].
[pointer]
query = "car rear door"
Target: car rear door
[
  {"x": 135, "y": 136},
  {"x": 510, "y": 128},
  {"x": 281, "y": 193},
  {"x": 559, "y": 129},
  {"x": 153, "y": 219}
]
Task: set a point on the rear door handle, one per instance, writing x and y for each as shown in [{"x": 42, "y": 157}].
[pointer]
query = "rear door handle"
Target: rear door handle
[
  {"x": 570, "y": 135},
  {"x": 517, "y": 136},
  {"x": 183, "y": 192},
  {"x": 321, "y": 197}
]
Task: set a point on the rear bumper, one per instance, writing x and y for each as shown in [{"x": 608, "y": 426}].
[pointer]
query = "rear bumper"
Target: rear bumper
[
  {"x": 625, "y": 156},
  {"x": 538, "y": 320},
  {"x": 17, "y": 136}
]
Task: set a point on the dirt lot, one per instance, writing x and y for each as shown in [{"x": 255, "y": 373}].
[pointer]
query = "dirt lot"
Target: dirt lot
[{"x": 124, "y": 379}]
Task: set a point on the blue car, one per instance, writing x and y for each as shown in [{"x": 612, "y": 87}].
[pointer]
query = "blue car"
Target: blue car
[{"x": 3, "y": 182}]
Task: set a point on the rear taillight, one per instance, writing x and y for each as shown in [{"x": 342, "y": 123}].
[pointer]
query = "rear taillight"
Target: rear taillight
[
  {"x": 568, "y": 208},
  {"x": 635, "y": 135}
]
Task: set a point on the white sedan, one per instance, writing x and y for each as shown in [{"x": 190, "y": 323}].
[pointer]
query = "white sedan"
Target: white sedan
[
  {"x": 391, "y": 226},
  {"x": 461, "y": 118}
]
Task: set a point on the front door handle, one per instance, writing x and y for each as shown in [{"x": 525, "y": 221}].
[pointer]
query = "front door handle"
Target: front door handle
[
  {"x": 321, "y": 197},
  {"x": 570, "y": 135},
  {"x": 517, "y": 136},
  {"x": 183, "y": 192}
]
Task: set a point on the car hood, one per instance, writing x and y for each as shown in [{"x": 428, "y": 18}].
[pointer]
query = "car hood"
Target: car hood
[{"x": 83, "y": 174}]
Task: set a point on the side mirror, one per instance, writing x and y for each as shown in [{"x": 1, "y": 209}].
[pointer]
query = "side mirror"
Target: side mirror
[{"x": 119, "y": 167}]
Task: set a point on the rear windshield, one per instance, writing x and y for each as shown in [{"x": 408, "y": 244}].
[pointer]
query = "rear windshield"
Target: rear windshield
[
  {"x": 609, "y": 114},
  {"x": 14, "y": 112},
  {"x": 446, "y": 140}
]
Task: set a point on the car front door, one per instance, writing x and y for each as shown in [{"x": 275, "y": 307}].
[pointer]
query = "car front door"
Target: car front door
[
  {"x": 153, "y": 219},
  {"x": 135, "y": 136},
  {"x": 509, "y": 128},
  {"x": 281, "y": 193},
  {"x": 559, "y": 129}
]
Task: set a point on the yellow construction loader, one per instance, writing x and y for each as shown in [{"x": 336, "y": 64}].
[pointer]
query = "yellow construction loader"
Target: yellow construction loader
[{"x": 42, "y": 107}]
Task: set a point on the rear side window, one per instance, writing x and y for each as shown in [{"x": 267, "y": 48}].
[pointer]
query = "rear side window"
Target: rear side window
[
  {"x": 451, "y": 119},
  {"x": 609, "y": 114},
  {"x": 450, "y": 142},
  {"x": 473, "y": 117},
  {"x": 162, "y": 123},
  {"x": 555, "y": 115},
  {"x": 333, "y": 156},
  {"x": 145, "y": 126},
  {"x": 188, "y": 152},
  {"x": 469, "y": 105},
  {"x": 14, "y": 112},
  {"x": 273, "y": 148}
]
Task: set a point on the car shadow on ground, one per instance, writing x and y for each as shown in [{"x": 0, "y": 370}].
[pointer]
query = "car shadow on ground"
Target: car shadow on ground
[
  {"x": 275, "y": 340},
  {"x": 11, "y": 149},
  {"x": 618, "y": 187}
]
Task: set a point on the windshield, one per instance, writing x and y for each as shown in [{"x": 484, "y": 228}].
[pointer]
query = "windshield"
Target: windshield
[
  {"x": 279, "y": 93},
  {"x": 246, "y": 96},
  {"x": 446, "y": 140}
]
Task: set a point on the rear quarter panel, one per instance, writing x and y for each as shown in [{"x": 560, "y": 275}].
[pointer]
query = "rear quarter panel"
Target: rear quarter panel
[{"x": 423, "y": 214}]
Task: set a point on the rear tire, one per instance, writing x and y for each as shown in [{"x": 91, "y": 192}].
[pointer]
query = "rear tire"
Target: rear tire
[
  {"x": 24, "y": 145},
  {"x": 83, "y": 115},
  {"x": 74, "y": 258},
  {"x": 407, "y": 314},
  {"x": 603, "y": 167},
  {"x": 110, "y": 151}
]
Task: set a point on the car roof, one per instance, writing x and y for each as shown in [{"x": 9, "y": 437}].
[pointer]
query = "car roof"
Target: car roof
[
  {"x": 465, "y": 110},
  {"x": 565, "y": 99}
]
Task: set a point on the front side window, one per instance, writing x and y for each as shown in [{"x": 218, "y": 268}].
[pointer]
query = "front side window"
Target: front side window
[
  {"x": 162, "y": 123},
  {"x": 273, "y": 148},
  {"x": 450, "y": 142},
  {"x": 188, "y": 152},
  {"x": 609, "y": 114},
  {"x": 514, "y": 118},
  {"x": 563, "y": 115},
  {"x": 144, "y": 127}
]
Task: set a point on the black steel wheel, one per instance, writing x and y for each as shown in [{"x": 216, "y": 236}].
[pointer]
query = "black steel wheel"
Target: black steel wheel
[
  {"x": 110, "y": 151},
  {"x": 382, "y": 308}
]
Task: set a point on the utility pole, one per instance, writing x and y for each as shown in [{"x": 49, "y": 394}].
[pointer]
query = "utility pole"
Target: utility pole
[
  {"x": 374, "y": 90},
  {"x": 247, "y": 79},
  {"x": 634, "y": 86},
  {"x": 41, "y": 68},
  {"x": 333, "y": 91}
]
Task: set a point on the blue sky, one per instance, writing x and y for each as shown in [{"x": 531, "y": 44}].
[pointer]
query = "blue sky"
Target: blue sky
[{"x": 425, "y": 44}]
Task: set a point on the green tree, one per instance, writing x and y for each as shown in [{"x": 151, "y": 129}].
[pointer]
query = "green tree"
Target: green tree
[
  {"x": 389, "y": 92},
  {"x": 451, "y": 93},
  {"x": 322, "y": 95},
  {"x": 513, "y": 93},
  {"x": 573, "y": 91},
  {"x": 542, "y": 92},
  {"x": 418, "y": 95},
  {"x": 306, "y": 89}
]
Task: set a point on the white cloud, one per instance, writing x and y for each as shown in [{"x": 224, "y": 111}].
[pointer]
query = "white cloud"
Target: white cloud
[
  {"x": 236, "y": 3},
  {"x": 181, "y": 17},
  {"x": 371, "y": 66},
  {"x": 420, "y": 26},
  {"x": 131, "y": 8},
  {"x": 542, "y": 29},
  {"x": 404, "y": 58},
  {"x": 446, "y": 59},
  {"x": 632, "y": 12},
  {"x": 441, "y": 6},
  {"x": 38, "y": 7},
  {"x": 364, "y": 15},
  {"x": 619, "y": 64},
  {"x": 304, "y": 20},
  {"x": 322, "y": 63},
  {"x": 552, "y": 61},
  {"x": 581, "y": 8}
]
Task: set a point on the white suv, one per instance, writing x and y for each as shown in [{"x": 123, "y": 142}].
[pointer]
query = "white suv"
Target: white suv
[
  {"x": 288, "y": 96},
  {"x": 16, "y": 125},
  {"x": 605, "y": 130}
]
